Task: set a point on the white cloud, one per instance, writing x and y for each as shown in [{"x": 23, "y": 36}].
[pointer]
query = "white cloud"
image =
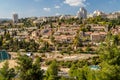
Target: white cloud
[
  {"x": 75, "y": 2},
  {"x": 57, "y": 7},
  {"x": 57, "y": 14},
  {"x": 47, "y": 9}
]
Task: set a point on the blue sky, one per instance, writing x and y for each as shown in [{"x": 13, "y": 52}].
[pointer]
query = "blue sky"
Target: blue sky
[{"x": 29, "y": 8}]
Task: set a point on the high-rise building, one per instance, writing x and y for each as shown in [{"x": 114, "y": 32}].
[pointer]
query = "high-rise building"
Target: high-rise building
[
  {"x": 99, "y": 13},
  {"x": 82, "y": 13},
  {"x": 15, "y": 18}
]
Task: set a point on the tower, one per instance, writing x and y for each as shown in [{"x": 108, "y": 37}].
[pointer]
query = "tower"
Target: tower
[
  {"x": 15, "y": 18},
  {"x": 82, "y": 13}
]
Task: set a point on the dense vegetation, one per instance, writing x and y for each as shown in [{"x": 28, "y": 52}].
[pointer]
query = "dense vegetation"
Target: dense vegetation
[
  {"x": 108, "y": 62},
  {"x": 109, "y": 66}
]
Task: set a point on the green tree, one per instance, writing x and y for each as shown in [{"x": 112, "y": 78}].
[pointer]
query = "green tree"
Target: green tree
[
  {"x": 116, "y": 39},
  {"x": 1, "y": 41},
  {"x": 77, "y": 42},
  {"x": 110, "y": 57},
  {"x": 72, "y": 70},
  {"x": 27, "y": 69},
  {"x": 6, "y": 73},
  {"x": 110, "y": 53},
  {"x": 109, "y": 72},
  {"x": 52, "y": 71}
]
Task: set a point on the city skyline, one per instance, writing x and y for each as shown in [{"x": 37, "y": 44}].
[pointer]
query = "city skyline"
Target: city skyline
[{"x": 37, "y": 8}]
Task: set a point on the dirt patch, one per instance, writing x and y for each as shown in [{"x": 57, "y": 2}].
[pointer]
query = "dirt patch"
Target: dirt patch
[{"x": 12, "y": 63}]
